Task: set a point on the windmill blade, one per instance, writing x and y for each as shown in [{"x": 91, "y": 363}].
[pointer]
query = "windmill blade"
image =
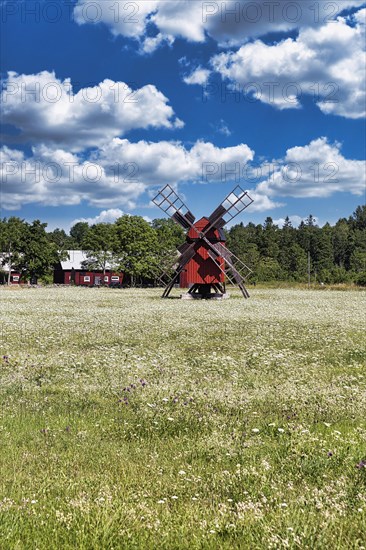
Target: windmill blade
[
  {"x": 217, "y": 250},
  {"x": 182, "y": 256},
  {"x": 175, "y": 261},
  {"x": 214, "y": 258},
  {"x": 238, "y": 279},
  {"x": 229, "y": 256},
  {"x": 183, "y": 247},
  {"x": 187, "y": 255},
  {"x": 170, "y": 203},
  {"x": 189, "y": 252},
  {"x": 170, "y": 266},
  {"x": 169, "y": 286},
  {"x": 236, "y": 201}
]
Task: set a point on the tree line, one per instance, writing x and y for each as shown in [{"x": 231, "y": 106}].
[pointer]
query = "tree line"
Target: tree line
[{"x": 335, "y": 254}]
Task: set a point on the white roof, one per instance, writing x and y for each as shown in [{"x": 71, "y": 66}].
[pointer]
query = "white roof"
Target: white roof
[
  {"x": 4, "y": 267},
  {"x": 76, "y": 258}
]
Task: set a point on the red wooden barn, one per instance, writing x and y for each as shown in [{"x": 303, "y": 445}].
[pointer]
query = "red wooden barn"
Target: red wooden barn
[{"x": 72, "y": 271}]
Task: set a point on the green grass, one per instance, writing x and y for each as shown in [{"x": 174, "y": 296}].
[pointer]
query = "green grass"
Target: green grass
[{"x": 128, "y": 421}]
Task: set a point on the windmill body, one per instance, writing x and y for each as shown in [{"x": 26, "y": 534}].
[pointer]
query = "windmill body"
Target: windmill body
[
  {"x": 202, "y": 269},
  {"x": 205, "y": 263}
]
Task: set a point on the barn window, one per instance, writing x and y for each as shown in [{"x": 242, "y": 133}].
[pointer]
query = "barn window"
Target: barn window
[
  {"x": 15, "y": 278},
  {"x": 114, "y": 278},
  {"x": 106, "y": 278},
  {"x": 86, "y": 279}
]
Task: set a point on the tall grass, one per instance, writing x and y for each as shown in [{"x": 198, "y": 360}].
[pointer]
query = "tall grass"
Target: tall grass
[{"x": 131, "y": 422}]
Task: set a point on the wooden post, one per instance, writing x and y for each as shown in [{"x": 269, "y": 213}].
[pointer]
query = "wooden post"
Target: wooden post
[{"x": 309, "y": 269}]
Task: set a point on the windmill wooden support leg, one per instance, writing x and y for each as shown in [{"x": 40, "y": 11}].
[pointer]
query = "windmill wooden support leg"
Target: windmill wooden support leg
[
  {"x": 244, "y": 290},
  {"x": 193, "y": 289},
  {"x": 169, "y": 286},
  {"x": 219, "y": 288}
]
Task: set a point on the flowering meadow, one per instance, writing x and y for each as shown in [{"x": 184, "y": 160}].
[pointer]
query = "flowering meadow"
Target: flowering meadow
[{"x": 128, "y": 421}]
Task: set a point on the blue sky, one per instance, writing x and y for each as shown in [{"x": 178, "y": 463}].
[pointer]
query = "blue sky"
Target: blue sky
[{"x": 201, "y": 95}]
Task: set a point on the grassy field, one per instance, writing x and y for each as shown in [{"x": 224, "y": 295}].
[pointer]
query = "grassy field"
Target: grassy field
[{"x": 131, "y": 422}]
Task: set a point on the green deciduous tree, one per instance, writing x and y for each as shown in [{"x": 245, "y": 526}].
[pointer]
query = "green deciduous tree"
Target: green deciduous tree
[
  {"x": 12, "y": 235},
  {"x": 38, "y": 255},
  {"x": 169, "y": 236},
  {"x": 78, "y": 233},
  {"x": 137, "y": 248},
  {"x": 61, "y": 239},
  {"x": 269, "y": 270},
  {"x": 100, "y": 244}
]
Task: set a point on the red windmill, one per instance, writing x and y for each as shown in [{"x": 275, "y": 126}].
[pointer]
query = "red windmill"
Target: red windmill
[{"x": 205, "y": 262}]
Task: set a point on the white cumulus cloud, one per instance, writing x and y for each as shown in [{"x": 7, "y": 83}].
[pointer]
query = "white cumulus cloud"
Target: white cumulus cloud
[
  {"x": 198, "y": 76},
  {"x": 105, "y": 216},
  {"x": 115, "y": 175},
  {"x": 327, "y": 63},
  {"x": 122, "y": 17},
  {"x": 315, "y": 170},
  {"x": 229, "y": 22},
  {"x": 45, "y": 109}
]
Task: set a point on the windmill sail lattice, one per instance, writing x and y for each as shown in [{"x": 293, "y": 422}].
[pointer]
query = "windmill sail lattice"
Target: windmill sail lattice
[
  {"x": 236, "y": 201},
  {"x": 168, "y": 200}
]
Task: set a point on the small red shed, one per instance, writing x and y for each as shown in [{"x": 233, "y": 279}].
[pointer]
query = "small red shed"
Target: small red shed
[
  {"x": 15, "y": 278},
  {"x": 15, "y": 275}
]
